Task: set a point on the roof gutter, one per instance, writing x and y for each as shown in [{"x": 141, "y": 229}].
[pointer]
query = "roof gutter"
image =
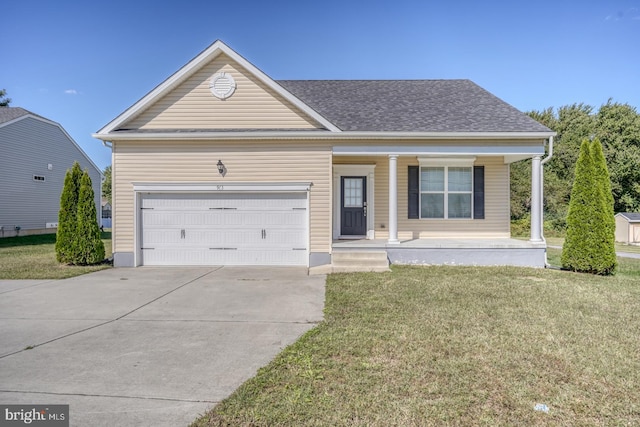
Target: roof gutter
[{"x": 317, "y": 135}]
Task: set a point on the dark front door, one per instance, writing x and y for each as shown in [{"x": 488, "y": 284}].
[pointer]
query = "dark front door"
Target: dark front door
[{"x": 353, "y": 206}]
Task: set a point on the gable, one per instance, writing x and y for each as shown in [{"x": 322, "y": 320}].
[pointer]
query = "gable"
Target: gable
[
  {"x": 42, "y": 141},
  {"x": 191, "y": 105}
]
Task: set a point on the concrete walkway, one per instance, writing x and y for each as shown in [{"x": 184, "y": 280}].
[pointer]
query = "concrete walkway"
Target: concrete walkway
[{"x": 148, "y": 346}]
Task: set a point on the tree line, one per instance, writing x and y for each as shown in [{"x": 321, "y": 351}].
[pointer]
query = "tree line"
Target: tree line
[{"x": 616, "y": 125}]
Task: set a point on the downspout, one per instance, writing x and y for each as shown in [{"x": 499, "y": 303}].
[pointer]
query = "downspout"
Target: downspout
[
  {"x": 109, "y": 145},
  {"x": 542, "y": 163}
]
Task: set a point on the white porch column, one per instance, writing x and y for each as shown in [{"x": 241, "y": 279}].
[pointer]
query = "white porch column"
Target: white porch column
[
  {"x": 393, "y": 199},
  {"x": 536, "y": 200}
]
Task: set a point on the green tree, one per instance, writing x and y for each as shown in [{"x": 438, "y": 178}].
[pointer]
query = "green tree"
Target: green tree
[
  {"x": 4, "y": 101},
  {"x": 88, "y": 247},
  {"x": 618, "y": 128},
  {"x": 67, "y": 214},
  {"x": 586, "y": 243},
  {"x": 106, "y": 184}
]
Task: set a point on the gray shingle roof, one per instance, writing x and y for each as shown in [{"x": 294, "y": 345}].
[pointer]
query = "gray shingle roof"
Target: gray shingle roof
[
  {"x": 410, "y": 106},
  {"x": 633, "y": 217},
  {"x": 9, "y": 113}
]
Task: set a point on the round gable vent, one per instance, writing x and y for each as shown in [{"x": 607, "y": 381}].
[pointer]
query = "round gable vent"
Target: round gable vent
[{"x": 222, "y": 85}]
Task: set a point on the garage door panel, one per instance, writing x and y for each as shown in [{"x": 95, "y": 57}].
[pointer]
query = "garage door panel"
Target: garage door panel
[
  {"x": 185, "y": 256},
  {"x": 288, "y": 218},
  {"x": 162, "y": 238},
  {"x": 263, "y": 257},
  {"x": 224, "y": 229},
  {"x": 223, "y": 257},
  {"x": 164, "y": 219}
]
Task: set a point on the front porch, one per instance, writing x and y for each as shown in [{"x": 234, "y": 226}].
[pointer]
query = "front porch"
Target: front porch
[
  {"x": 453, "y": 251},
  {"x": 435, "y": 203},
  {"x": 446, "y": 251}
]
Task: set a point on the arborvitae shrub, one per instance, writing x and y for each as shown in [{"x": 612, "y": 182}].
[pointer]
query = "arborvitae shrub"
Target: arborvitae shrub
[
  {"x": 606, "y": 243},
  {"x": 589, "y": 240},
  {"x": 67, "y": 214},
  {"x": 88, "y": 247}
]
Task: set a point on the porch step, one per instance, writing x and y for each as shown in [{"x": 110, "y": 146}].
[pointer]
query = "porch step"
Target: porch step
[{"x": 351, "y": 261}]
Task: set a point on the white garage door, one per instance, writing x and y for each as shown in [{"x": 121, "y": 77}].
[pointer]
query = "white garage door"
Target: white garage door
[{"x": 224, "y": 229}]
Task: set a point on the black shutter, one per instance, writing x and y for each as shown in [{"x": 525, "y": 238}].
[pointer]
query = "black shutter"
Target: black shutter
[
  {"x": 478, "y": 192},
  {"x": 414, "y": 192}
]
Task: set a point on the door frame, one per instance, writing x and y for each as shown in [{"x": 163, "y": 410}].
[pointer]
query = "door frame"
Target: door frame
[{"x": 340, "y": 171}]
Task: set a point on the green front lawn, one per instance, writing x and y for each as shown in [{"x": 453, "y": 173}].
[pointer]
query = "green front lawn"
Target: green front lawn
[
  {"x": 34, "y": 257},
  {"x": 432, "y": 346}
]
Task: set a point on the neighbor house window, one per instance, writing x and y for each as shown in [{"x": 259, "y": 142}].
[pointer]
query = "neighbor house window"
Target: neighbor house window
[{"x": 446, "y": 192}]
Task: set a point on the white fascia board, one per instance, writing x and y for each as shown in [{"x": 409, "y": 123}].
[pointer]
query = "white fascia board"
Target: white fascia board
[
  {"x": 17, "y": 119},
  {"x": 310, "y": 135},
  {"x": 194, "y": 65},
  {"x": 32, "y": 116},
  {"x": 175, "y": 79},
  {"x": 220, "y": 187},
  {"x": 441, "y": 150}
]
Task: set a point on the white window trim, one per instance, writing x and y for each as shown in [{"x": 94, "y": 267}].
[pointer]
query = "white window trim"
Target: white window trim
[
  {"x": 442, "y": 164},
  {"x": 354, "y": 170},
  {"x": 447, "y": 161}
]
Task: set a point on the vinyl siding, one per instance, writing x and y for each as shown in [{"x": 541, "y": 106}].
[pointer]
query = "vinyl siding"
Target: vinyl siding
[
  {"x": 626, "y": 231},
  {"x": 622, "y": 229},
  {"x": 497, "y": 208},
  {"x": 164, "y": 162},
  {"x": 192, "y": 106},
  {"x": 28, "y": 146}
]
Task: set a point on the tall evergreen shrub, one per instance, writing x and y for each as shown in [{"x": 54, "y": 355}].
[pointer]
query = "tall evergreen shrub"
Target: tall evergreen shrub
[
  {"x": 607, "y": 245},
  {"x": 88, "y": 247},
  {"x": 67, "y": 215},
  {"x": 586, "y": 248}
]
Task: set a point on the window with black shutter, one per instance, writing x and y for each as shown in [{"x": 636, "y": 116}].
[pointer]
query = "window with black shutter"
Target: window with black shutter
[{"x": 416, "y": 198}]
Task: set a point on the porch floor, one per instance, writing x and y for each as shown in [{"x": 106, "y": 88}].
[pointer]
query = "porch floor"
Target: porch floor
[
  {"x": 442, "y": 243},
  {"x": 452, "y": 251}
]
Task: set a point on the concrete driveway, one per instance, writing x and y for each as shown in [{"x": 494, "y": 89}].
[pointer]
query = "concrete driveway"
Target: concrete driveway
[{"x": 148, "y": 346}]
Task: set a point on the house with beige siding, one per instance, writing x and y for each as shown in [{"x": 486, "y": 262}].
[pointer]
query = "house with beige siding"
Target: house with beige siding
[
  {"x": 35, "y": 153},
  {"x": 222, "y": 165}
]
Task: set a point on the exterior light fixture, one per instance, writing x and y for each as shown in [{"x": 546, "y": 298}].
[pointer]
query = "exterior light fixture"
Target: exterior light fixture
[{"x": 220, "y": 167}]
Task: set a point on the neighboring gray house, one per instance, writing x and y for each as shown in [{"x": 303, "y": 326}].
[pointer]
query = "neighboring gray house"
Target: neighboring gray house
[{"x": 35, "y": 154}]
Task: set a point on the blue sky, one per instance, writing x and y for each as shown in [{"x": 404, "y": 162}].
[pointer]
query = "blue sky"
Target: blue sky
[{"x": 82, "y": 63}]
